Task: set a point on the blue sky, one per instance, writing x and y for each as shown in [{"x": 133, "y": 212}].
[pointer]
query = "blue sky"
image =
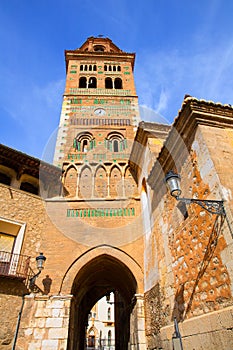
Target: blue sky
[{"x": 182, "y": 47}]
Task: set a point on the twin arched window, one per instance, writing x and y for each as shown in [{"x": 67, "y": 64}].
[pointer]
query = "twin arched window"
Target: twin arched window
[
  {"x": 84, "y": 142},
  {"x": 113, "y": 84},
  {"x": 115, "y": 142},
  {"x": 90, "y": 83}
]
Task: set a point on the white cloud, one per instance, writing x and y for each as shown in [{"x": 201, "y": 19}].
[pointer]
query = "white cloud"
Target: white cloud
[{"x": 163, "y": 78}]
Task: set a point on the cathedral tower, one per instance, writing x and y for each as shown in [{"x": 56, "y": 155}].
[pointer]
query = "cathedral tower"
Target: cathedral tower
[{"x": 98, "y": 121}]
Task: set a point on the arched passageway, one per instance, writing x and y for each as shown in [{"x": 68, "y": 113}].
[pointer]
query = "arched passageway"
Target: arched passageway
[{"x": 97, "y": 278}]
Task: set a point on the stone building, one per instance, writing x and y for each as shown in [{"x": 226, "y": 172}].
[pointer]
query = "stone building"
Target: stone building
[
  {"x": 101, "y": 327},
  {"x": 104, "y": 219}
]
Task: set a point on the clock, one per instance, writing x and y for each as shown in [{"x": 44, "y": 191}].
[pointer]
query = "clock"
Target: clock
[{"x": 100, "y": 111}]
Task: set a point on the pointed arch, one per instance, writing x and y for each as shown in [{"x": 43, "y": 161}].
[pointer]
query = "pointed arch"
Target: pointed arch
[
  {"x": 129, "y": 183},
  {"x": 70, "y": 181},
  {"x": 101, "y": 182},
  {"x": 85, "y": 182},
  {"x": 90, "y": 277},
  {"x": 115, "y": 182},
  {"x": 98, "y": 251}
]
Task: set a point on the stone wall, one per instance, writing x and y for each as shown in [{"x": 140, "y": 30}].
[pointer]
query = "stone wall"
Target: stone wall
[
  {"x": 44, "y": 323},
  {"x": 206, "y": 332},
  {"x": 192, "y": 247}
]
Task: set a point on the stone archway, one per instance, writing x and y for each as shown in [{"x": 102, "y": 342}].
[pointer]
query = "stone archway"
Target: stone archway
[{"x": 101, "y": 274}]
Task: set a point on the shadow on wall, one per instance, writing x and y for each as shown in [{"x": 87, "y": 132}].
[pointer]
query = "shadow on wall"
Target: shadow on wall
[
  {"x": 47, "y": 281},
  {"x": 179, "y": 310}
]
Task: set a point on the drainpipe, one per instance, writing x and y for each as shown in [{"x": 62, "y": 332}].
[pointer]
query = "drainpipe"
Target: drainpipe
[
  {"x": 18, "y": 323},
  {"x": 176, "y": 338}
]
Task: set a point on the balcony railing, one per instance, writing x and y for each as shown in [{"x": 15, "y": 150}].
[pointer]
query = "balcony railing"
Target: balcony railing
[{"x": 14, "y": 265}]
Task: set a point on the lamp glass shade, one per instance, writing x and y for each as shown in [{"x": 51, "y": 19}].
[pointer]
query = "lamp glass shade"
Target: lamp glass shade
[
  {"x": 173, "y": 183},
  {"x": 40, "y": 261}
]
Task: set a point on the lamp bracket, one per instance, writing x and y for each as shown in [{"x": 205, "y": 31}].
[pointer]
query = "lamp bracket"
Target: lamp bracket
[
  {"x": 212, "y": 206},
  {"x": 32, "y": 280}
]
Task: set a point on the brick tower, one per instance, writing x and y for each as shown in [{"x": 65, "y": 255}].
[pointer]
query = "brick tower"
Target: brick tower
[
  {"x": 98, "y": 120},
  {"x": 100, "y": 207}
]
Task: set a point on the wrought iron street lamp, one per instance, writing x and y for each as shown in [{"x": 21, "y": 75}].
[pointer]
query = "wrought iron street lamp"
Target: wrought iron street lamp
[
  {"x": 212, "y": 206},
  {"x": 40, "y": 265}
]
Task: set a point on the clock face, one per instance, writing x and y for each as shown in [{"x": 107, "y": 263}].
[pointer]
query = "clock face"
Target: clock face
[{"x": 99, "y": 111}]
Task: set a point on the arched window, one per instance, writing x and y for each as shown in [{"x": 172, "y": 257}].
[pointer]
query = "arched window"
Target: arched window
[
  {"x": 114, "y": 68},
  {"x": 110, "y": 68},
  {"x": 115, "y": 142},
  {"x": 109, "y": 338},
  {"x": 84, "y": 141},
  {"x": 99, "y": 48},
  {"x": 108, "y": 83},
  {"x": 118, "y": 68},
  {"x": 92, "y": 83},
  {"x": 109, "y": 314},
  {"x": 101, "y": 183},
  {"x": 94, "y": 67},
  {"x": 115, "y": 145},
  {"x": 82, "y": 82},
  {"x": 70, "y": 182},
  {"x": 84, "y": 145},
  {"x": 118, "y": 83},
  {"x": 81, "y": 67},
  {"x": 85, "y": 183},
  {"x": 105, "y": 68},
  {"x": 115, "y": 182},
  {"x": 85, "y": 67},
  {"x": 90, "y": 67}
]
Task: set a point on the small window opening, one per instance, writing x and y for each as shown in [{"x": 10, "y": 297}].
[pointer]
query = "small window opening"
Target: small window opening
[
  {"x": 85, "y": 146},
  {"x": 92, "y": 82},
  {"x": 4, "y": 179},
  {"x": 82, "y": 82},
  {"x": 115, "y": 146},
  {"x": 109, "y": 314},
  {"x": 26, "y": 186},
  {"x": 99, "y": 48},
  {"x": 118, "y": 83},
  {"x": 108, "y": 83}
]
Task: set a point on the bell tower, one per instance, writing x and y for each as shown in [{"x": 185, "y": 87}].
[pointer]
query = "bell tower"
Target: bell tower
[{"x": 98, "y": 121}]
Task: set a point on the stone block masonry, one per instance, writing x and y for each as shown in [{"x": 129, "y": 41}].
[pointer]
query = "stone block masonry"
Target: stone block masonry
[{"x": 44, "y": 323}]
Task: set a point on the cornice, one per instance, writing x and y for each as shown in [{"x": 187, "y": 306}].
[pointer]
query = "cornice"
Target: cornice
[
  {"x": 23, "y": 163},
  {"x": 74, "y": 54},
  {"x": 193, "y": 112}
]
